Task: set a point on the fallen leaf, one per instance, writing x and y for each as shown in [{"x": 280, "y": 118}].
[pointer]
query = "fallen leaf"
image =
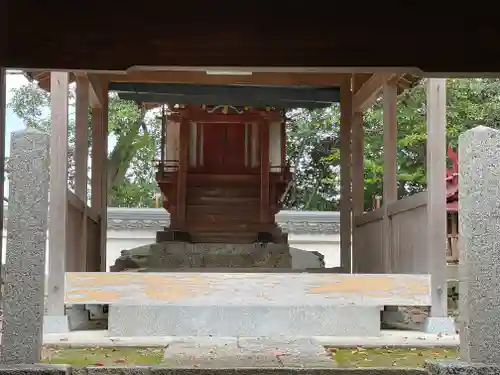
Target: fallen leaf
[
  {"x": 98, "y": 364},
  {"x": 121, "y": 361}
]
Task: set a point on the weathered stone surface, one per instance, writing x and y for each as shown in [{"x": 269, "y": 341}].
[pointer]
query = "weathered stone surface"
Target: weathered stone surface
[
  {"x": 175, "y": 255},
  {"x": 248, "y": 352},
  {"x": 460, "y": 368},
  {"x": 26, "y": 240},
  {"x": 479, "y": 215},
  {"x": 35, "y": 369}
]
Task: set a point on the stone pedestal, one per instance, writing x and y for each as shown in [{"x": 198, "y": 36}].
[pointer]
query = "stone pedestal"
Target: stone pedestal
[
  {"x": 26, "y": 247},
  {"x": 479, "y": 215},
  {"x": 178, "y": 255}
]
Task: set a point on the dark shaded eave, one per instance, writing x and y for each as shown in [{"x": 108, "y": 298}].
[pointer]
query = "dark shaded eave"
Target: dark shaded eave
[
  {"x": 237, "y": 95},
  {"x": 218, "y": 100}
]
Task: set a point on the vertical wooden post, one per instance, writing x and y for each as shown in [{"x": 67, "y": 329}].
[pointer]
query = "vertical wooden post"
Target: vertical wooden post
[
  {"x": 182, "y": 172},
  {"x": 264, "y": 171},
  {"x": 81, "y": 162},
  {"x": 345, "y": 175},
  {"x": 390, "y": 180},
  {"x": 104, "y": 179},
  {"x": 99, "y": 174},
  {"x": 358, "y": 181},
  {"x": 436, "y": 191},
  {"x": 58, "y": 193},
  {"x": 97, "y": 163},
  {"x": 3, "y": 106}
]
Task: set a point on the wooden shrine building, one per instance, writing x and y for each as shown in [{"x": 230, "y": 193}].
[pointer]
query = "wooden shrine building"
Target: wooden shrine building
[{"x": 222, "y": 167}]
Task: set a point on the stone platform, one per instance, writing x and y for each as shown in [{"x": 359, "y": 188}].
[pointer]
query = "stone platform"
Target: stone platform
[
  {"x": 245, "y": 304},
  {"x": 247, "y": 353}
]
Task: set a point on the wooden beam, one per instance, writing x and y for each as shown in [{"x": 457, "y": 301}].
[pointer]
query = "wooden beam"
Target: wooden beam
[
  {"x": 368, "y": 92},
  {"x": 98, "y": 90},
  {"x": 345, "y": 175},
  {"x": 359, "y": 79},
  {"x": 390, "y": 179},
  {"x": 264, "y": 171},
  {"x": 58, "y": 202},
  {"x": 436, "y": 190},
  {"x": 256, "y": 78}
]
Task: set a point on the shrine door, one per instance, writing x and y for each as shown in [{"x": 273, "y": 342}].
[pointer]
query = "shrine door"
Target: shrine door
[{"x": 224, "y": 147}]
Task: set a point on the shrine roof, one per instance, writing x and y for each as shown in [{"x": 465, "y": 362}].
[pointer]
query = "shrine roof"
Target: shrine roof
[
  {"x": 303, "y": 96},
  {"x": 262, "y": 88}
]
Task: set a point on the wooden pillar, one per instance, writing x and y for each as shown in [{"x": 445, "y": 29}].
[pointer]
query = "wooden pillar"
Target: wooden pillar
[
  {"x": 264, "y": 171},
  {"x": 58, "y": 193},
  {"x": 358, "y": 180},
  {"x": 182, "y": 173},
  {"x": 81, "y": 165},
  {"x": 390, "y": 179},
  {"x": 81, "y": 137},
  {"x": 345, "y": 175},
  {"x": 99, "y": 178},
  {"x": 3, "y": 106},
  {"x": 93, "y": 260},
  {"x": 436, "y": 191}
]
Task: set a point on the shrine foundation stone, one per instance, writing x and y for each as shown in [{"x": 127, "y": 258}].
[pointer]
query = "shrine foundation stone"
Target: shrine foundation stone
[{"x": 26, "y": 253}]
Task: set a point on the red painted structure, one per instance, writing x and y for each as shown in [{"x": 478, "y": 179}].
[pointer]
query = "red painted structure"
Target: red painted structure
[
  {"x": 221, "y": 186},
  {"x": 452, "y": 182}
]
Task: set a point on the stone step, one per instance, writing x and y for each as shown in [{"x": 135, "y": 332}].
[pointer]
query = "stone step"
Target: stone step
[
  {"x": 215, "y": 352},
  {"x": 221, "y": 212},
  {"x": 239, "y": 237},
  {"x": 222, "y": 200},
  {"x": 223, "y": 225},
  {"x": 223, "y": 191}
]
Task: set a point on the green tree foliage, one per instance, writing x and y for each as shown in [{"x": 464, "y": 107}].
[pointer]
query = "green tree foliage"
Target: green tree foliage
[
  {"x": 313, "y": 148},
  {"x": 130, "y": 176},
  {"x": 312, "y": 152},
  {"x": 470, "y": 102}
]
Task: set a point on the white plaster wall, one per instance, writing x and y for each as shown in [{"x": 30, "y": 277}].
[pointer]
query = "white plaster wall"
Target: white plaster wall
[{"x": 326, "y": 244}]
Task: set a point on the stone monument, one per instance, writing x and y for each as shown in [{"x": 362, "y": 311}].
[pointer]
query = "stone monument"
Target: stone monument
[
  {"x": 479, "y": 222},
  {"x": 22, "y": 332}
]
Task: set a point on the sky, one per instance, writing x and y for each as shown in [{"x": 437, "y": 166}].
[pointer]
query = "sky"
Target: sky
[{"x": 12, "y": 122}]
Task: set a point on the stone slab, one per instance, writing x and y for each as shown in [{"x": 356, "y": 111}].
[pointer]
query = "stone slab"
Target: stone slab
[
  {"x": 130, "y": 321},
  {"x": 479, "y": 214},
  {"x": 252, "y": 353},
  {"x": 24, "y": 280},
  {"x": 34, "y": 369},
  {"x": 167, "y": 370},
  {"x": 246, "y": 289},
  {"x": 460, "y": 368}
]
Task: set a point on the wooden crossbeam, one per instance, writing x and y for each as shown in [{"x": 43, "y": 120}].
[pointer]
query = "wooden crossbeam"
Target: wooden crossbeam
[
  {"x": 366, "y": 95},
  {"x": 256, "y": 78},
  {"x": 246, "y": 289}
]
